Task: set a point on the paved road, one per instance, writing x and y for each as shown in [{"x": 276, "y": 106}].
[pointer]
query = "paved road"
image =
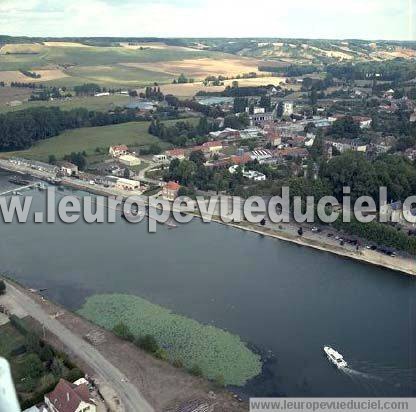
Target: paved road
[
  {"x": 130, "y": 397},
  {"x": 143, "y": 178}
]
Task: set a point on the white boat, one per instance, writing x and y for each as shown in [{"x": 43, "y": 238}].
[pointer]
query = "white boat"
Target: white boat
[{"x": 335, "y": 357}]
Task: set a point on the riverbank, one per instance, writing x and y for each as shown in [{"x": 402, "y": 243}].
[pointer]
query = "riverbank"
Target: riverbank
[
  {"x": 288, "y": 233},
  {"x": 399, "y": 264},
  {"x": 120, "y": 369}
]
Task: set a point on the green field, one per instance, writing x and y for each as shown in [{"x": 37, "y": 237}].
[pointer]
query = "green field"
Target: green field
[
  {"x": 91, "y": 56},
  {"x": 88, "y": 139},
  {"x": 97, "y": 64},
  {"x": 216, "y": 352},
  {"x": 115, "y": 76},
  {"x": 103, "y": 103}
]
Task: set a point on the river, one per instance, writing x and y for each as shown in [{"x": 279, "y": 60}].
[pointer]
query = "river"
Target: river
[{"x": 286, "y": 301}]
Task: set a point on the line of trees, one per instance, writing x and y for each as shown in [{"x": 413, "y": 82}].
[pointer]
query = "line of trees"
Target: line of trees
[
  {"x": 182, "y": 133},
  {"x": 20, "y": 129}
]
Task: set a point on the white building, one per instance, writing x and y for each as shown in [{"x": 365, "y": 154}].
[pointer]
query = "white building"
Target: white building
[
  {"x": 249, "y": 174},
  {"x": 129, "y": 160},
  {"x": 261, "y": 155},
  {"x": 287, "y": 108}
]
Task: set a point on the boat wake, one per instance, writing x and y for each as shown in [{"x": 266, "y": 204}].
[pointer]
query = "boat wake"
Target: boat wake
[
  {"x": 374, "y": 378},
  {"x": 358, "y": 374}
]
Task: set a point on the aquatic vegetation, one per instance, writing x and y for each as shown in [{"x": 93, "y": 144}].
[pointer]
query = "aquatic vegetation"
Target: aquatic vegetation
[{"x": 215, "y": 351}]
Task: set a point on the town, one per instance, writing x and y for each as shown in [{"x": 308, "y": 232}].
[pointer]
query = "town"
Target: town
[{"x": 119, "y": 319}]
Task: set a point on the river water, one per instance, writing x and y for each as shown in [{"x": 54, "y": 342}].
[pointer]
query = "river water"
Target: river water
[{"x": 286, "y": 301}]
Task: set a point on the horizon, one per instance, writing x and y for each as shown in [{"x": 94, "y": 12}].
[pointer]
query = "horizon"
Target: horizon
[{"x": 373, "y": 20}]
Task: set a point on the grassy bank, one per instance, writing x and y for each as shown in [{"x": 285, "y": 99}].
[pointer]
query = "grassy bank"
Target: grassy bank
[
  {"x": 216, "y": 352},
  {"x": 88, "y": 139}
]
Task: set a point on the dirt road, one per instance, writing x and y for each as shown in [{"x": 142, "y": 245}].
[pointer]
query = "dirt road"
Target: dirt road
[{"x": 130, "y": 397}]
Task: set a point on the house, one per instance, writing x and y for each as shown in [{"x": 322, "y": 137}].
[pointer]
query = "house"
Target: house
[
  {"x": 117, "y": 151},
  {"x": 170, "y": 191},
  {"x": 261, "y": 155},
  {"x": 227, "y": 133},
  {"x": 297, "y": 141},
  {"x": 129, "y": 160},
  {"x": 364, "y": 122},
  {"x": 274, "y": 138},
  {"x": 410, "y": 154},
  {"x": 251, "y": 133},
  {"x": 248, "y": 174},
  {"x": 141, "y": 105},
  {"x": 292, "y": 152},
  {"x": 240, "y": 159},
  {"x": 212, "y": 147},
  {"x": 68, "y": 397},
  {"x": 392, "y": 212},
  {"x": 160, "y": 158},
  {"x": 67, "y": 168},
  {"x": 261, "y": 118},
  {"x": 175, "y": 154},
  {"x": 342, "y": 145},
  {"x": 127, "y": 184},
  {"x": 287, "y": 109}
]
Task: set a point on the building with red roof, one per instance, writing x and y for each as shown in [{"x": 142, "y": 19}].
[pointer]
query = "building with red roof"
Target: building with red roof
[
  {"x": 68, "y": 397},
  {"x": 170, "y": 191}
]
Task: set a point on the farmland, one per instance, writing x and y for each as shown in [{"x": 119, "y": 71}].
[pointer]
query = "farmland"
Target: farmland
[
  {"x": 200, "y": 68},
  {"x": 69, "y": 63},
  {"x": 214, "y": 351},
  {"x": 102, "y": 103},
  {"x": 88, "y": 139}
]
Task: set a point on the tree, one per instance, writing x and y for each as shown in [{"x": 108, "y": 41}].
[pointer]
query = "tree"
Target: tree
[
  {"x": 126, "y": 173},
  {"x": 279, "y": 110},
  {"x": 196, "y": 370},
  {"x": 57, "y": 367},
  {"x": 197, "y": 157},
  {"x": 52, "y": 159},
  {"x": 148, "y": 343},
  {"x": 182, "y": 79},
  {"x": 265, "y": 102},
  {"x": 46, "y": 354},
  {"x": 31, "y": 366},
  {"x": 240, "y": 104},
  {"x": 123, "y": 331},
  {"x": 2, "y": 287},
  {"x": 32, "y": 343}
]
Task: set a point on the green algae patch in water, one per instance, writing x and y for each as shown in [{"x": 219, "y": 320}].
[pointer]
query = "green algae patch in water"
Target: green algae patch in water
[{"x": 215, "y": 351}]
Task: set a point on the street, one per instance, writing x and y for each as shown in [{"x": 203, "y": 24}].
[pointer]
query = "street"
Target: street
[{"x": 129, "y": 396}]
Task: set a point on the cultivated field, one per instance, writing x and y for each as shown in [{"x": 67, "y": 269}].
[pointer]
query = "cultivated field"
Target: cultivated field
[
  {"x": 102, "y": 103},
  {"x": 203, "y": 67},
  {"x": 70, "y": 63},
  {"x": 190, "y": 89},
  {"x": 119, "y": 76},
  {"x": 47, "y": 75}
]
